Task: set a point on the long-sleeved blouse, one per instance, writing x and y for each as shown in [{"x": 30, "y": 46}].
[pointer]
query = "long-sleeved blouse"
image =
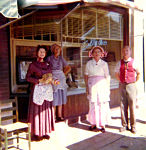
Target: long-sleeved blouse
[{"x": 36, "y": 70}]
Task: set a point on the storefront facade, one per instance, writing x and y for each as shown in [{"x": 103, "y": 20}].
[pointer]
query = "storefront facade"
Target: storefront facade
[{"x": 76, "y": 29}]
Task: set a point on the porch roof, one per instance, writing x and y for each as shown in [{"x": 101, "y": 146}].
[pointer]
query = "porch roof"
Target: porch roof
[
  {"x": 9, "y": 8},
  {"x": 29, "y": 3},
  {"x": 43, "y": 3}
]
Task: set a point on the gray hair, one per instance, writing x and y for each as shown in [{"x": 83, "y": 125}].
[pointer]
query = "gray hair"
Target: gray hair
[{"x": 53, "y": 47}]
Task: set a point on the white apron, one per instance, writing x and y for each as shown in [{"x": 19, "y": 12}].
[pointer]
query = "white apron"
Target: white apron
[{"x": 42, "y": 92}]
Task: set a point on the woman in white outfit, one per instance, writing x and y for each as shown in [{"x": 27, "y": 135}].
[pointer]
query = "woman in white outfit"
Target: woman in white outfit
[{"x": 97, "y": 80}]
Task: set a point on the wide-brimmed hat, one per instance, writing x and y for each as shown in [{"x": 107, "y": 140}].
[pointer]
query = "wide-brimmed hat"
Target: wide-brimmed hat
[{"x": 96, "y": 47}]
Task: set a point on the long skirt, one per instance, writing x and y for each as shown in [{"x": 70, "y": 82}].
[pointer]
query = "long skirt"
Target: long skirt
[
  {"x": 41, "y": 118},
  {"x": 60, "y": 97}
]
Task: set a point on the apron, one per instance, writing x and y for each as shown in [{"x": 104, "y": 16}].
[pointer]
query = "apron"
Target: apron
[
  {"x": 42, "y": 92},
  {"x": 98, "y": 89},
  {"x": 59, "y": 74}
]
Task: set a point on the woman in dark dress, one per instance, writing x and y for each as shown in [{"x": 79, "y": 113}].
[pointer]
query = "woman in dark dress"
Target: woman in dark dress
[{"x": 41, "y": 113}]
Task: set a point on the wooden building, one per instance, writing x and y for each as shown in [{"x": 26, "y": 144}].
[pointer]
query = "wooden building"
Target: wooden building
[{"x": 76, "y": 26}]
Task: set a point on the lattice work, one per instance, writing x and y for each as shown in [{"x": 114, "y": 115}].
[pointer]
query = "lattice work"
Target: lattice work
[
  {"x": 89, "y": 23},
  {"x": 17, "y": 33},
  {"x": 28, "y": 31},
  {"x": 77, "y": 27},
  {"x": 115, "y": 27},
  {"x": 70, "y": 26},
  {"x": 51, "y": 28},
  {"x": 36, "y": 29},
  {"x": 64, "y": 27},
  {"x": 85, "y": 22},
  {"x": 102, "y": 25}
]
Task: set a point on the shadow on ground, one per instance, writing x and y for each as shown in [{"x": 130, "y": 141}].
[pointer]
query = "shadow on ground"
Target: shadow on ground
[
  {"x": 137, "y": 120},
  {"x": 110, "y": 141},
  {"x": 85, "y": 126}
]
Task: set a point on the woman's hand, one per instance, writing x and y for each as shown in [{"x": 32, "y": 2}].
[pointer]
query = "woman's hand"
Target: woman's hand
[
  {"x": 66, "y": 70},
  {"x": 41, "y": 81},
  {"x": 48, "y": 80},
  {"x": 56, "y": 82}
]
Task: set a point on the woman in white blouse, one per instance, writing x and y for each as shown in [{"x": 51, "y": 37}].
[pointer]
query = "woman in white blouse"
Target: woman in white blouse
[{"x": 97, "y": 80}]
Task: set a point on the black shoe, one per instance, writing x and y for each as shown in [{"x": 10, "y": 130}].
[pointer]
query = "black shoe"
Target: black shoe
[
  {"x": 102, "y": 130},
  {"x": 122, "y": 129},
  {"x": 36, "y": 138},
  {"x": 46, "y": 137},
  {"x": 133, "y": 130},
  {"x": 58, "y": 119},
  {"x": 92, "y": 128}
]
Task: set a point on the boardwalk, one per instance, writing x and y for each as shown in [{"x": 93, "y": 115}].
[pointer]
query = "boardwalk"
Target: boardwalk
[{"x": 78, "y": 137}]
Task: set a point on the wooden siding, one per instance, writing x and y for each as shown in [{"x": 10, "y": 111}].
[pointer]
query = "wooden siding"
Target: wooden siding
[
  {"x": 76, "y": 108},
  {"x": 4, "y": 61}
]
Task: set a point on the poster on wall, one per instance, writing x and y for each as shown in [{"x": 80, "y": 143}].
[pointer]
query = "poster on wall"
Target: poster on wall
[{"x": 22, "y": 64}]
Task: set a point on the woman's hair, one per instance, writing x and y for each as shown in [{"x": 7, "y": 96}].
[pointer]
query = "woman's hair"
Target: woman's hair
[
  {"x": 53, "y": 47},
  {"x": 39, "y": 47}
]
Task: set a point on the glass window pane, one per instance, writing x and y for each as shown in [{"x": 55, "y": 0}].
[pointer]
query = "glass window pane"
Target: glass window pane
[{"x": 85, "y": 28}]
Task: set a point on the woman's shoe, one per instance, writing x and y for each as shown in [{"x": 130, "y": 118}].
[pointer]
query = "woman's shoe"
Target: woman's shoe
[
  {"x": 91, "y": 128},
  {"x": 60, "y": 119},
  {"x": 36, "y": 138},
  {"x": 102, "y": 130},
  {"x": 46, "y": 137}
]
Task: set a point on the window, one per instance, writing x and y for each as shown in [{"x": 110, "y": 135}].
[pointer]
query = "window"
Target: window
[
  {"x": 78, "y": 32},
  {"x": 89, "y": 27}
]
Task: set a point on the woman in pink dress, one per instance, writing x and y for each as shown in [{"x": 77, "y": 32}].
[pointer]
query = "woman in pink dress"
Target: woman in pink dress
[
  {"x": 41, "y": 113},
  {"x": 97, "y": 80}
]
